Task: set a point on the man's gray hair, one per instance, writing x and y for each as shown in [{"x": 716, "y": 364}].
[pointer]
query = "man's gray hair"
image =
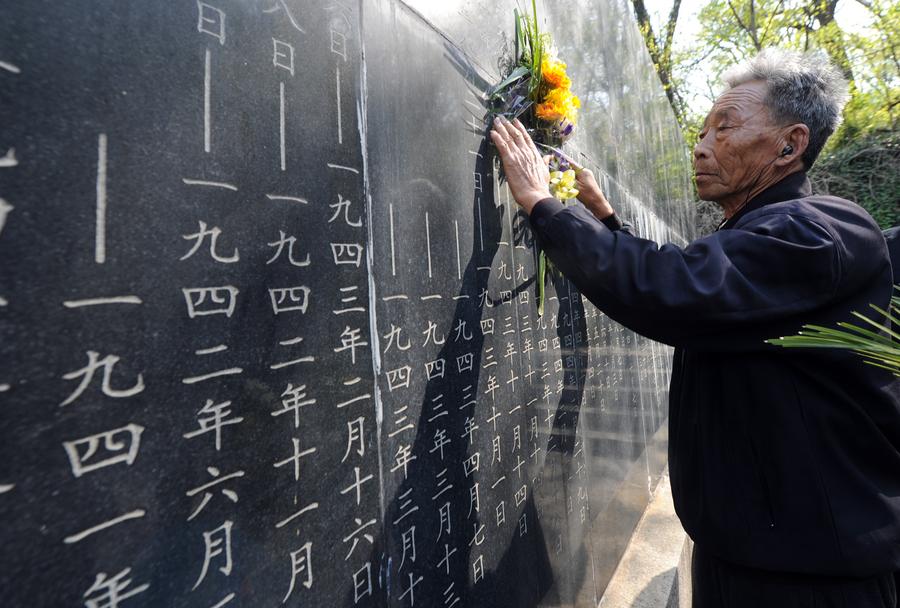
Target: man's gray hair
[{"x": 803, "y": 87}]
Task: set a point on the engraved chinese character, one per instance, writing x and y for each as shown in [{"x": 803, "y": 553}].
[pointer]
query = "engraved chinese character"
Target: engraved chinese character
[
  {"x": 211, "y": 20},
  {"x": 294, "y": 398},
  {"x": 343, "y": 207},
  {"x": 521, "y": 494},
  {"x": 213, "y": 417},
  {"x": 301, "y": 565},
  {"x": 474, "y": 499},
  {"x": 108, "y": 592},
  {"x": 354, "y": 536},
  {"x": 295, "y": 458},
  {"x": 221, "y": 301},
  {"x": 409, "y": 590},
  {"x": 440, "y": 440},
  {"x": 355, "y": 437},
  {"x": 461, "y": 332},
  {"x": 444, "y": 520},
  {"x": 357, "y": 485},
  {"x": 120, "y": 444},
  {"x": 435, "y": 369},
  {"x": 351, "y": 339},
  {"x": 465, "y": 362},
  {"x": 339, "y": 27},
  {"x": 216, "y": 542},
  {"x": 213, "y": 235},
  {"x": 430, "y": 334},
  {"x": 347, "y": 253},
  {"x": 399, "y": 378},
  {"x": 283, "y": 55},
  {"x": 478, "y": 569},
  {"x": 288, "y": 299},
  {"x": 87, "y": 372},
  {"x": 471, "y": 464},
  {"x": 362, "y": 586},
  {"x": 402, "y": 459},
  {"x": 207, "y": 495},
  {"x": 409, "y": 544},
  {"x": 394, "y": 336},
  {"x": 289, "y": 241}
]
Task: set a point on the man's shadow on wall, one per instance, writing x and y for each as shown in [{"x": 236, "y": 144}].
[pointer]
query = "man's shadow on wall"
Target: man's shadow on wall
[{"x": 442, "y": 571}]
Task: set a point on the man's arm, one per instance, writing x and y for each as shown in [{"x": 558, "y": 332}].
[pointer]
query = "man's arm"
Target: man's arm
[
  {"x": 612, "y": 221},
  {"x": 728, "y": 290}
]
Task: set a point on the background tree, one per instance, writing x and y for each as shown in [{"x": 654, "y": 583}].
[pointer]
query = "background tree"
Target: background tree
[
  {"x": 660, "y": 49},
  {"x": 862, "y": 160}
]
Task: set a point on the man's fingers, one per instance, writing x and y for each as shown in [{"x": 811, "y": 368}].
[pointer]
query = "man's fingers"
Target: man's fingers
[
  {"x": 512, "y": 141},
  {"x": 502, "y": 128},
  {"x": 514, "y": 145},
  {"x": 515, "y": 135},
  {"x": 525, "y": 141},
  {"x": 500, "y": 144},
  {"x": 521, "y": 129},
  {"x": 520, "y": 135}
]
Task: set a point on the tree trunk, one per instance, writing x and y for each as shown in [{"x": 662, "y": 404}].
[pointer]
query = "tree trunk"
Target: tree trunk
[
  {"x": 661, "y": 52},
  {"x": 833, "y": 41}
]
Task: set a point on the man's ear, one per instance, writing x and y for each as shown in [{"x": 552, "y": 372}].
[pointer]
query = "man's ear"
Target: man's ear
[{"x": 797, "y": 137}]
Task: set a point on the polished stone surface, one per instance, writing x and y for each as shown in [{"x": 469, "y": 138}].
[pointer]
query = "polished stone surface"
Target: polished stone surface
[{"x": 322, "y": 379}]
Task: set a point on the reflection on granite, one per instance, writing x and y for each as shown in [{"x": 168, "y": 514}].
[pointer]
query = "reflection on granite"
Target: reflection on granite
[
  {"x": 590, "y": 406},
  {"x": 364, "y": 409}
]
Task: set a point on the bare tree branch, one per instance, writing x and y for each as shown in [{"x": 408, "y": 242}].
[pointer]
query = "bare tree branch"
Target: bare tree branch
[
  {"x": 670, "y": 32},
  {"x": 661, "y": 53}
]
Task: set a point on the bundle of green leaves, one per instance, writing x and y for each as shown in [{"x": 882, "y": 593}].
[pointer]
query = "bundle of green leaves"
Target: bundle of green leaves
[{"x": 877, "y": 343}]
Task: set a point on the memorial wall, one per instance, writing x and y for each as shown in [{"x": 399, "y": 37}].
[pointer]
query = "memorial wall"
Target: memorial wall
[{"x": 268, "y": 329}]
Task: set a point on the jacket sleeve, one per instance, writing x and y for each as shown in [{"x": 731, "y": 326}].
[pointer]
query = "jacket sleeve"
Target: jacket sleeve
[{"x": 731, "y": 289}]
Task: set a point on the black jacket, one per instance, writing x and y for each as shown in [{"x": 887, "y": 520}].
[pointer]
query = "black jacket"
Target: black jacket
[
  {"x": 892, "y": 236},
  {"x": 780, "y": 459}
]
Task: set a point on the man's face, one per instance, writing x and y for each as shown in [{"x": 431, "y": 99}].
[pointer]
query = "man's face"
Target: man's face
[{"x": 737, "y": 140}]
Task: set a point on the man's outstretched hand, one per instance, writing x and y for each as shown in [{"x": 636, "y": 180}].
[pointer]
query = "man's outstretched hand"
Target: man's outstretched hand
[
  {"x": 590, "y": 194},
  {"x": 526, "y": 172}
]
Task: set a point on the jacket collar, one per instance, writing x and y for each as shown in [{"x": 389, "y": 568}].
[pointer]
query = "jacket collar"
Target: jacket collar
[{"x": 794, "y": 186}]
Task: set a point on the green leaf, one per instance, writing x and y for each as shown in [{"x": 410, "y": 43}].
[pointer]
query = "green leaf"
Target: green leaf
[
  {"x": 876, "y": 349},
  {"x": 515, "y": 75},
  {"x": 520, "y": 43}
]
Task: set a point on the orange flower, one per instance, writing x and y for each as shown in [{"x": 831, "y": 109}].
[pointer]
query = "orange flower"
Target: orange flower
[
  {"x": 553, "y": 72},
  {"x": 559, "y": 104}
]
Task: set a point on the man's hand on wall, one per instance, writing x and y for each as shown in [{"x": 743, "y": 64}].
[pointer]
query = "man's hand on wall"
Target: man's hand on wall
[{"x": 526, "y": 173}]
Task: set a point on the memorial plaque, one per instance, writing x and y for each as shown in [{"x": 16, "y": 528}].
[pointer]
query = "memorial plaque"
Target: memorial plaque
[{"x": 268, "y": 329}]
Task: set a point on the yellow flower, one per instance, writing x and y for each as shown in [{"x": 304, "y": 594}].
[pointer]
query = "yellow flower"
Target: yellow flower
[
  {"x": 559, "y": 104},
  {"x": 553, "y": 72},
  {"x": 562, "y": 184}
]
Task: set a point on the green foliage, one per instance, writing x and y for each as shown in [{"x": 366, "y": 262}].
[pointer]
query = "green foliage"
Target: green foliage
[
  {"x": 531, "y": 46},
  {"x": 864, "y": 168},
  {"x": 860, "y": 161},
  {"x": 880, "y": 347}
]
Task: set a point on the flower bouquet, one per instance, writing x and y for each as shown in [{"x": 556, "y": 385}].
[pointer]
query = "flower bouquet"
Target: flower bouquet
[{"x": 537, "y": 91}]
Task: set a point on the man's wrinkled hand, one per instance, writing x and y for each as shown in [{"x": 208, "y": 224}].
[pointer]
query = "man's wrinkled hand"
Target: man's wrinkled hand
[
  {"x": 526, "y": 172},
  {"x": 590, "y": 194}
]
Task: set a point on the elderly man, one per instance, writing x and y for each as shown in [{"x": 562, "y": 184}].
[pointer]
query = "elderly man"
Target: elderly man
[{"x": 784, "y": 463}]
